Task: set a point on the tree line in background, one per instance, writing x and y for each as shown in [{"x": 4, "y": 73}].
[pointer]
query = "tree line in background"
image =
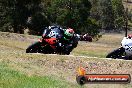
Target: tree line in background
[{"x": 85, "y": 16}]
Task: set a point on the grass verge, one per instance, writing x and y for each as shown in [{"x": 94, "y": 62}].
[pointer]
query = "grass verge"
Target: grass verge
[{"x": 13, "y": 79}]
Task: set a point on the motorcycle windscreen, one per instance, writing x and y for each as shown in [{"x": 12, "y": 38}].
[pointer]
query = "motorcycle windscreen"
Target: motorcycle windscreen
[{"x": 55, "y": 33}]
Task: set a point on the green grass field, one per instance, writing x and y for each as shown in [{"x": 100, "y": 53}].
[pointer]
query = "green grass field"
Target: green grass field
[
  {"x": 13, "y": 79},
  {"x": 21, "y": 70}
]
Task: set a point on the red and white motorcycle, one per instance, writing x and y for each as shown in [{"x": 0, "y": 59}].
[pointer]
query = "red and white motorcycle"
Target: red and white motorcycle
[
  {"x": 125, "y": 51},
  {"x": 51, "y": 44}
]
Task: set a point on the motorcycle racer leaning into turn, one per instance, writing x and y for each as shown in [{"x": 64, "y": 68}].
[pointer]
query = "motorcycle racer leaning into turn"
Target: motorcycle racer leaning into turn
[
  {"x": 124, "y": 51},
  {"x": 67, "y": 38},
  {"x": 127, "y": 45}
]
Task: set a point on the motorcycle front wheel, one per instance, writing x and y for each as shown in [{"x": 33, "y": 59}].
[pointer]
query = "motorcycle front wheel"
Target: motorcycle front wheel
[
  {"x": 34, "y": 48},
  {"x": 117, "y": 53}
]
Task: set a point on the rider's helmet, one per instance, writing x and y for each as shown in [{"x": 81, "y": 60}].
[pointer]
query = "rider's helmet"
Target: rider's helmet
[
  {"x": 130, "y": 36},
  {"x": 68, "y": 34}
]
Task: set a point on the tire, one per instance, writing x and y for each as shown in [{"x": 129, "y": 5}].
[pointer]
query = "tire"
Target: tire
[
  {"x": 118, "y": 53},
  {"x": 63, "y": 51},
  {"x": 81, "y": 80},
  {"x": 67, "y": 50},
  {"x": 34, "y": 48}
]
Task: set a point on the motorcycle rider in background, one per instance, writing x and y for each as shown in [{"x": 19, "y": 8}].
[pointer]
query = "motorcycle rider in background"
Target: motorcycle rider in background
[
  {"x": 127, "y": 45},
  {"x": 124, "y": 51},
  {"x": 67, "y": 38}
]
